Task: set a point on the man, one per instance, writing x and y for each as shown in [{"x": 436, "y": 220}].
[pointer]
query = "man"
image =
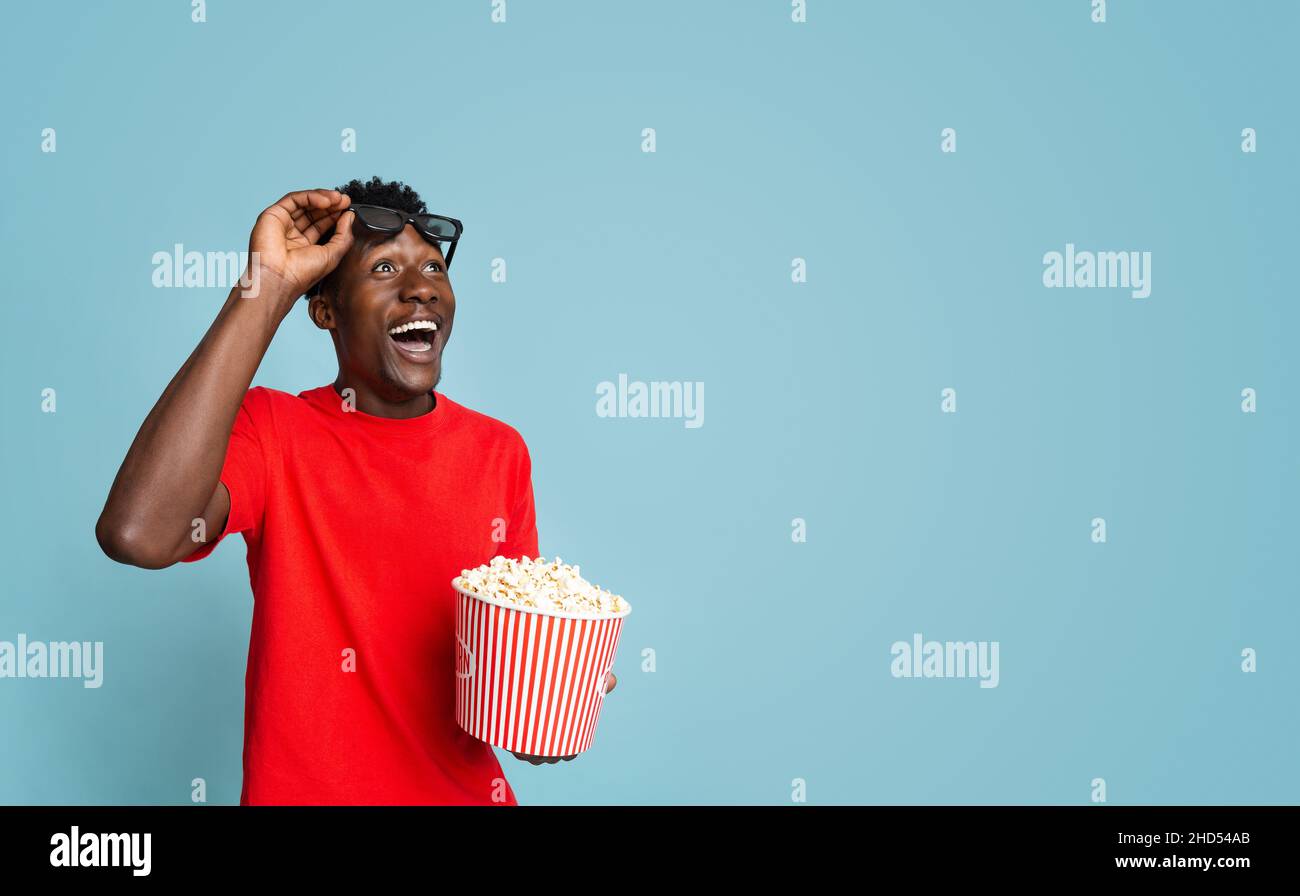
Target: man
[{"x": 358, "y": 501}]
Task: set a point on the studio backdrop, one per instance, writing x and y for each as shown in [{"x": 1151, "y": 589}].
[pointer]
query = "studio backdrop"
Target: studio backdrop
[{"x": 975, "y": 474}]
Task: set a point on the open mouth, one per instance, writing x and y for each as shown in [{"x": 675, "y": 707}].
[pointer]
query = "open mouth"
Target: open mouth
[{"x": 415, "y": 337}]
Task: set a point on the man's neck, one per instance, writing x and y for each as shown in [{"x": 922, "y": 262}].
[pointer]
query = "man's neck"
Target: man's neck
[{"x": 367, "y": 402}]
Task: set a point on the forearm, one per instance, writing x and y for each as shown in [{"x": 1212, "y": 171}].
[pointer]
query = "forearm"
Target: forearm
[{"x": 171, "y": 471}]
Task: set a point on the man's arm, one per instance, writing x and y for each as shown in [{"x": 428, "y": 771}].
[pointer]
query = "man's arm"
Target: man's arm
[{"x": 170, "y": 475}]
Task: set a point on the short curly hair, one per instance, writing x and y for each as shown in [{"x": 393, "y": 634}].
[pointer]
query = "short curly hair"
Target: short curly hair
[{"x": 390, "y": 194}]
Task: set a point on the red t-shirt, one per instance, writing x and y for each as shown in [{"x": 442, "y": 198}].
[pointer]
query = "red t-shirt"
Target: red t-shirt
[{"x": 355, "y": 527}]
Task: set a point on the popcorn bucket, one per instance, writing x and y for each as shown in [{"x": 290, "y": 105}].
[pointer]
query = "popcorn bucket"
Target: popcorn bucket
[{"x": 531, "y": 680}]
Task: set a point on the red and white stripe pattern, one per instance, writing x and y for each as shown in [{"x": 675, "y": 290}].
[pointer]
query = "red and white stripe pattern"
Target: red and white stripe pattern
[{"x": 528, "y": 682}]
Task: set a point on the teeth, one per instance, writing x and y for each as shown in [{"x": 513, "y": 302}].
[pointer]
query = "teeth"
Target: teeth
[{"x": 413, "y": 325}]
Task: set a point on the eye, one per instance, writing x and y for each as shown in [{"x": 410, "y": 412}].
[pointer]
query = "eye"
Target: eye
[
  {"x": 383, "y": 264},
  {"x": 433, "y": 266}
]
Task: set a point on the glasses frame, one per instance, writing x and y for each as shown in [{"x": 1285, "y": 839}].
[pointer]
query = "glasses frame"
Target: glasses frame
[{"x": 414, "y": 221}]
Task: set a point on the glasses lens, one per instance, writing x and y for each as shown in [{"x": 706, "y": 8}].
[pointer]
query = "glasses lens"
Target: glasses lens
[
  {"x": 378, "y": 218},
  {"x": 438, "y": 228}
]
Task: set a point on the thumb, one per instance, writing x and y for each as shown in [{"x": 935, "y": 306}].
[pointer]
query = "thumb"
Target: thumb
[{"x": 341, "y": 241}]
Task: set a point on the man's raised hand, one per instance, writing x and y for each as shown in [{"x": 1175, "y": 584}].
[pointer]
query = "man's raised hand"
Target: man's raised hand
[{"x": 285, "y": 236}]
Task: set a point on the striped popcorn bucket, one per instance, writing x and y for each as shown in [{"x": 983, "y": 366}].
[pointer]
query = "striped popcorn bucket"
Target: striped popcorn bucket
[{"x": 531, "y": 681}]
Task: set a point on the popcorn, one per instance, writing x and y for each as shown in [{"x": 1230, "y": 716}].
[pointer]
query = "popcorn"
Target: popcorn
[{"x": 537, "y": 584}]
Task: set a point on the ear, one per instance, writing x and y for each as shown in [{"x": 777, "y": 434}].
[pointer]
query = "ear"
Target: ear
[{"x": 321, "y": 310}]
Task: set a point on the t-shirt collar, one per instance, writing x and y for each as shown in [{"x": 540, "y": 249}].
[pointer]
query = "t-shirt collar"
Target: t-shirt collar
[{"x": 331, "y": 401}]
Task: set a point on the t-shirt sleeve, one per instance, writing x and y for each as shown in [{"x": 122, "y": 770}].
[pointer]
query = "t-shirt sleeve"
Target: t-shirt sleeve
[
  {"x": 243, "y": 473},
  {"x": 521, "y": 528}
]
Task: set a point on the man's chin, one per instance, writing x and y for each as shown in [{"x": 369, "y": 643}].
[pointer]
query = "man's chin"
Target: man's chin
[{"x": 407, "y": 385}]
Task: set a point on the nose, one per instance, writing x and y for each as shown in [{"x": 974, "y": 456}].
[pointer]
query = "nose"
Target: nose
[{"x": 417, "y": 288}]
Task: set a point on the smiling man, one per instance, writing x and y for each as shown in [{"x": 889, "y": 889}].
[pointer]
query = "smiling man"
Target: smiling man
[{"x": 359, "y": 502}]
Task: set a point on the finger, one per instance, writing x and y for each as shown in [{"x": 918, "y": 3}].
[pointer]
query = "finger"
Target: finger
[
  {"x": 309, "y": 214},
  {"x": 313, "y": 224},
  {"x": 302, "y": 221},
  {"x": 291, "y": 202},
  {"x": 610, "y": 681},
  {"x": 341, "y": 241},
  {"x": 312, "y": 232},
  {"x": 276, "y": 218},
  {"x": 287, "y": 214}
]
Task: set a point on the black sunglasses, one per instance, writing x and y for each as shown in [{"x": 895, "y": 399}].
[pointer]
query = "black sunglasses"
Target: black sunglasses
[{"x": 434, "y": 228}]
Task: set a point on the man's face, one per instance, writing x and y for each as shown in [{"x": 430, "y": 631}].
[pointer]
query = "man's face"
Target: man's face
[{"x": 379, "y": 286}]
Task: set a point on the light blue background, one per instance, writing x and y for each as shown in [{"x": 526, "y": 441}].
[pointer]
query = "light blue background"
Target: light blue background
[{"x": 775, "y": 140}]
